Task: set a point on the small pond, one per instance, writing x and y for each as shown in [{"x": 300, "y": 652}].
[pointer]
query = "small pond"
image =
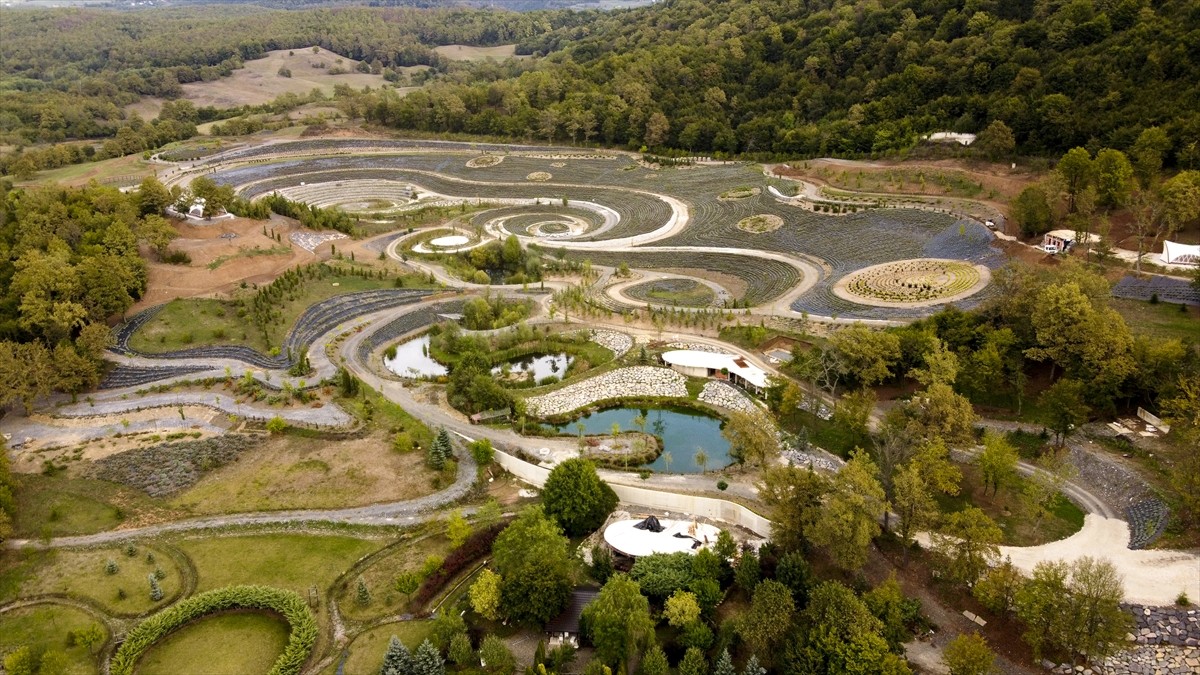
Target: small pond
[
  {"x": 413, "y": 360},
  {"x": 684, "y": 432},
  {"x": 541, "y": 366}
]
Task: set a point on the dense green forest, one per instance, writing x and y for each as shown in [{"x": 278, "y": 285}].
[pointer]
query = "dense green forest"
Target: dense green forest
[
  {"x": 70, "y": 261},
  {"x": 841, "y": 77},
  {"x": 759, "y": 77}
]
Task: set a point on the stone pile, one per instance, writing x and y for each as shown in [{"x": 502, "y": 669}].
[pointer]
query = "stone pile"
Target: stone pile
[
  {"x": 1167, "y": 643},
  {"x": 801, "y": 458},
  {"x": 617, "y": 343},
  {"x": 624, "y": 382},
  {"x": 697, "y": 347},
  {"x": 1147, "y": 660},
  {"x": 724, "y": 395},
  {"x": 1166, "y": 625}
]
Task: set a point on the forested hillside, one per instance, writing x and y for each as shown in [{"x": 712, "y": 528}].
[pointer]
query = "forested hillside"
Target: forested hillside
[
  {"x": 839, "y": 77},
  {"x": 777, "y": 77},
  {"x": 66, "y": 74}
]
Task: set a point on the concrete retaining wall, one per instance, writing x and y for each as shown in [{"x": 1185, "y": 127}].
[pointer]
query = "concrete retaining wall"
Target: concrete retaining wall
[{"x": 707, "y": 507}]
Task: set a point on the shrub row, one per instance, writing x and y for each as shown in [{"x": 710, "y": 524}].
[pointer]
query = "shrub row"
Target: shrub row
[
  {"x": 475, "y": 547},
  {"x": 286, "y": 603}
]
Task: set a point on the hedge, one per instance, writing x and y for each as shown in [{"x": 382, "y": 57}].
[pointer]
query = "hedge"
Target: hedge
[
  {"x": 286, "y": 603},
  {"x": 475, "y": 547}
]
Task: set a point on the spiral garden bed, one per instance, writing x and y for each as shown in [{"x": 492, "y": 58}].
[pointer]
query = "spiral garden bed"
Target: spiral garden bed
[
  {"x": 484, "y": 161},
  {"x": 922, "y": 281}
]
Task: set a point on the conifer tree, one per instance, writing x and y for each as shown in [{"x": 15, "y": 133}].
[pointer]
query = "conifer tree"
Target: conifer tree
[
  {"x": 427, "y": 660},
  {"x": 724, "y": 664},
  {"x": 156, "y": 593},
  {"x": 362, "y": 594},
  {"x": 397, "y": 660}
]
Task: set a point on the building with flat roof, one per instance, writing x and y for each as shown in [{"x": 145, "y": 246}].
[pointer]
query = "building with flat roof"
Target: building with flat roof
[
  {"x": 736, "y": 369},
  {"x": 638, "y": 538}
]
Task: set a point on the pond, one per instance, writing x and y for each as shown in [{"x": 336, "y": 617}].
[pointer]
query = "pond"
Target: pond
[
  {"x": 540, "y": 365},
  {"x": 413, "y": 360},
  {"x": 684, "y": 432}
]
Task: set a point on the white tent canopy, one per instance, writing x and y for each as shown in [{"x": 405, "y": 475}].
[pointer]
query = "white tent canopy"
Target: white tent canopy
[{"x": 1175, "y": 253}]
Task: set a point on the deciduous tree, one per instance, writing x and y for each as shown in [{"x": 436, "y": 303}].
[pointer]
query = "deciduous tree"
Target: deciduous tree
[
  {"x": 969, "y": 654},
  {"x": 968, "y": 542},
  {"x": 576, "y": 498},
  {"x": 769, "y": 618},
  {"x": 619, "y": 621},
  {"x": 850, "y": 518}
]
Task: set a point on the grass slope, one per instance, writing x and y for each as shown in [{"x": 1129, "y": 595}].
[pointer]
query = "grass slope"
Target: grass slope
[
  {"x": 226, "y": 644},
  {"x": 292, "y": 561},
  {"x": 45, "y": 627}
]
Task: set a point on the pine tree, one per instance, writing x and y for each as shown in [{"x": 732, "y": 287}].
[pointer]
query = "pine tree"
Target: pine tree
[
  {"x": 159, "y": 573},
  {"x": 362, "y": 594},
  {"x": 427, "y": 660},
  {"x": 110, "y": 567},
  {"x": 752, "y": 667},
  {"x": 156, "y": 593},
  {"x": 439, "y": 450},
  {"x": 397, "y": 660},
  {"x": 724, "y": 664}
]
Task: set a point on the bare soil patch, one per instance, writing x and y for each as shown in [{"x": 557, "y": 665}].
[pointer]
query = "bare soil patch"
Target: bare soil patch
[
  {"x": 209, "y": 243},
  {"x": 469, "y": 53},
  {"x": 289, "y": 472},
  {"x": 1001, "y": 179},
  {"x": 259, "y": 81}
]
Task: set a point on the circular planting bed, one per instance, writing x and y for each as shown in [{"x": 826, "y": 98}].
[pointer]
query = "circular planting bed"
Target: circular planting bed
[
  {"x": 284, "y": 603},
  {"x": 913, "y": 283},
  {"x": 760, "y": 224},
  {"x": 449, "y": 241},
  {"x": 539, "y": 176},
  {"x": 740, "y": 193},
  {"x": 676, "y": 292},
  {"x": 484, "y": 162}
]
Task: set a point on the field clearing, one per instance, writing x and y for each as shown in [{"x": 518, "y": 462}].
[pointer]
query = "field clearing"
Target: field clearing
[
  {"x": 80, "y": 572},
  {"x": 103, "y": 172},
  {"x": 61, "y": 506},
  {"x": 226, "y": 644},
  {"x": 291, "y": 472},
  {"x": 366, "y": 651},
  {"x": 469, "y": 53},
  {"x": 230, "y": 244},
  {"x": 294, "y": 562},
  {"x": 175, "y": 326},
  {"x": 259, "y": 81},
  {"x": 45, "y": 627},
  {"x": 381, "y": 576},
  {"x": 1163, "y": 320}
]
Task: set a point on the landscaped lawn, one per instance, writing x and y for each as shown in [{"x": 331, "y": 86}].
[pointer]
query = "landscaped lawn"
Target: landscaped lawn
[
  {"x": 45, "y": 627},
  {"x": 380, "y": 578},
  {"x": 292, "y": 561},
  {"x": 81, "y": 572},
  {"x": 366, "y": 651},
  {"x": 227, "y": 644},
  {"x": 59, "y": 506},
  {"x": 1163, "y": 319}
]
